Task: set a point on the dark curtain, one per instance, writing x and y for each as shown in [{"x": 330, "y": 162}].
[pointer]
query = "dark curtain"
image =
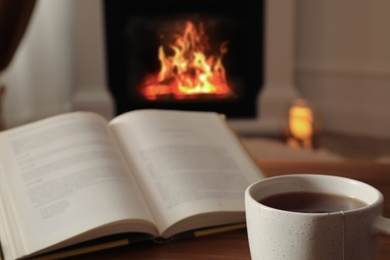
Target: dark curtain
[{"x": 14, "y": 17}]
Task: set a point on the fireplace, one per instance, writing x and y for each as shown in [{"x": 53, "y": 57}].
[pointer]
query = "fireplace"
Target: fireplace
[{"x": 190, "y": 55}]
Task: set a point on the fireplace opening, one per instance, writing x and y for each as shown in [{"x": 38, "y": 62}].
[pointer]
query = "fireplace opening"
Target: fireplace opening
[{"x": 189, "y": 55}]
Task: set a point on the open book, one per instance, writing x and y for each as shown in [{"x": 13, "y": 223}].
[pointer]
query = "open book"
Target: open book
[{"x": 75, "y": 177}]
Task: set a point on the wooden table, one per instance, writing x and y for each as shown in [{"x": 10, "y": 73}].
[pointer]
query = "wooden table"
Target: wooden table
[{"x": 234, "y": 245}]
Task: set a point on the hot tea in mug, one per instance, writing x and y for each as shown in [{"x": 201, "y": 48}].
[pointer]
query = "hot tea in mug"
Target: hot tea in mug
[
  {"x": 312, "y": 216},
  {"x": 312, "y": 202}
]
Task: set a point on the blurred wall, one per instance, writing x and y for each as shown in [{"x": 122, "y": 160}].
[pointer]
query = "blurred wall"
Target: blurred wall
[{"x": 343, "y": 63}]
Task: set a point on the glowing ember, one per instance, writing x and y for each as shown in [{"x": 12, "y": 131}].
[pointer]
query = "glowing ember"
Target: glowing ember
[{"x": 187, "y": 71}]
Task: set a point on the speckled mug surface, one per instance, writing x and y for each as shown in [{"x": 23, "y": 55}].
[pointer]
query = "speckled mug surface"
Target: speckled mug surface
[{"x": 278, "y": 234}]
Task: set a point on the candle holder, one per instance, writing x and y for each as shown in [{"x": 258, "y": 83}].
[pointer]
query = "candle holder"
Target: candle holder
[{"x": 302, "y": 124}]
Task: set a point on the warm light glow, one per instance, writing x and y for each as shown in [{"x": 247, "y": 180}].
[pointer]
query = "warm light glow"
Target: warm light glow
[
  {"x": 301, "y": 123},
  {"x": 187, "y": 71}
]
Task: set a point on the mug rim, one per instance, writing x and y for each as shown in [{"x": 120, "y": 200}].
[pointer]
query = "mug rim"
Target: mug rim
[{"x": 308, "y": 176}]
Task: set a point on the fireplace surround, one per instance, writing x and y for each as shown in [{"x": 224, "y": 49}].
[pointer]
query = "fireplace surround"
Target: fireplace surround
[
  {"x": 193, "y": 33},
  {"x": 91, "y": 92}
]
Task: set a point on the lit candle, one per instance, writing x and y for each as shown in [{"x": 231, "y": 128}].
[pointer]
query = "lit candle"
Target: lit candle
[
  {"x": 301, "y": 125},
  {"x": 301, "y": 122}
]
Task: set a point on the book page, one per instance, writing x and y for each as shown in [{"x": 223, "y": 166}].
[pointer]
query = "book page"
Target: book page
[
  {"x": 65, "y": 176},
  {"x": 188, "y": 163}
]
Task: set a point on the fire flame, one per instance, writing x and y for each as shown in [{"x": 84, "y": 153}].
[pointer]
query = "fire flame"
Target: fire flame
[{"x": 188, "y": 72}]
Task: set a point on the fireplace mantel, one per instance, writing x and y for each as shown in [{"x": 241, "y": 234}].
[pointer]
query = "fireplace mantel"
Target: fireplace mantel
[{"x": 91, "y": 92}]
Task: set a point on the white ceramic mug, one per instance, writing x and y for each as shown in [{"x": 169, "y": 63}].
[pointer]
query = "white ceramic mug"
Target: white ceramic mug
[{"x": 279, "y": 234}]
